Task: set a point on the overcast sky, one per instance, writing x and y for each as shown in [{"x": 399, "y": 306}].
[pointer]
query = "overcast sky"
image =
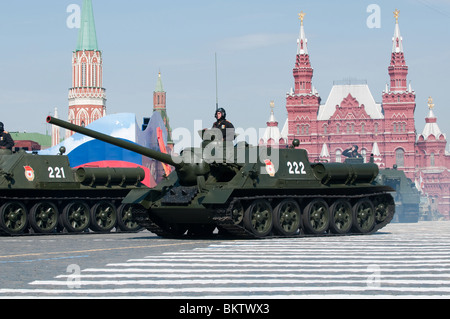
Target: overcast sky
[{"x": 255, "y": 41}]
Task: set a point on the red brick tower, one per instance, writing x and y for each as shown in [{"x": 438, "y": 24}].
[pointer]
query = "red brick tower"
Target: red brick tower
[
  {"x": 433, "y": 163},
  {"x": 159, "y": 105},
  {"x": 303, "y": 102},
  {"x": 87, "y": 98},
  {"x": 399, "y": 104}
]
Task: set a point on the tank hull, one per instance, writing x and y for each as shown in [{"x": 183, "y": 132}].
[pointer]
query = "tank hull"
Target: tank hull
[
  {"x": 44, "y": 195},
  {"x": 199, "y": 216}
]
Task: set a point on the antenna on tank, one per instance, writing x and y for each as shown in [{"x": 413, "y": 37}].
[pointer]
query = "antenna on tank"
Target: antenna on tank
[{"x": 217, "y": 86}]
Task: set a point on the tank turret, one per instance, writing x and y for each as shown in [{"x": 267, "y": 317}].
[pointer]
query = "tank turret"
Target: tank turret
[{"x": 255, "y": 191}]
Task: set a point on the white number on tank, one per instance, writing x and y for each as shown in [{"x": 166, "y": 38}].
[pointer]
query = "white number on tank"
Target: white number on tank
[
  {"x": 296, "y": 168},
  {"x": 56, "y": 172}
]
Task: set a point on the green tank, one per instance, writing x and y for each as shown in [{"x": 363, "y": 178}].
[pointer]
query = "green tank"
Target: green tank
[
  {"x": 406, "y": 195},
  {"x": 43, "y": 194},
  {"x": 255, "y": 192}
]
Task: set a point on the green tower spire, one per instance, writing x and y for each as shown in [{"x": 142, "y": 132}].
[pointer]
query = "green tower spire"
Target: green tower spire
[
  {"x": 87, "y": 37},
  {"x": 159, "y": 85}
]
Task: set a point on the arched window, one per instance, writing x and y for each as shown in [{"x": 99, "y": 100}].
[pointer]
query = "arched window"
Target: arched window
[
  {"x": 338, "y": 156},
  {"x": 83, "y": 74},
  {"x": 94, "y": 75},
  {"x": 400, "y": 157},
  {"x": 432, "y": 163}
]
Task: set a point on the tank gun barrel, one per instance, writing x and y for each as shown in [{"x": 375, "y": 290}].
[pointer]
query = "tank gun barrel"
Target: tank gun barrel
[{"x": 165, "y": 158}]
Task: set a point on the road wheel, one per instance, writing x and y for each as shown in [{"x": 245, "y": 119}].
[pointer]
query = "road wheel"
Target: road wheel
[
  {"x": 103, "y": 216},
  {"x": 287, "y": 217},
  {"x": 125, "y": 219},
  {"x": 44, "y": 217},
  {"x": 316, "y": 217},
  {"x": 258, "y": 218},
  {"x": 76, "y": 216},
  {"x": 13, "y": 218},
  {"x": 363, "y": 216},
  {"x": 341, "y": 217},
  {"x": 383, "y": 205}
]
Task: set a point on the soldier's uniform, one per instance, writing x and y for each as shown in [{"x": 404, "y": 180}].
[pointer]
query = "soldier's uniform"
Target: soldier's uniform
[
  {"x": 6, "y": 141},
  {"x": 224, "y": 126}
]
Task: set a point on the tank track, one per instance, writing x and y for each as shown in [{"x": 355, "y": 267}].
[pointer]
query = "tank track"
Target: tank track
[
  {"x": 60, "y": 199},
  {"x": 224, "y": 220},
  {"x": 140, "y": 215}
]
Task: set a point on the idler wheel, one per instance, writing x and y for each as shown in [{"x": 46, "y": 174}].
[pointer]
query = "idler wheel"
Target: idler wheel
[
  {"x": 363, "y": 216},
  {"x": 13, "y": 218},
  {"x": 287, "y": 217},
  {"x": 103, "y": 216},
  {"x": 76, "y": 216},
  {"x": 44, "y": 217},
  {"x": 341, "y": 217},
  {"x": 258, "y": 218},
  {"x": 237, "y": 213},
  {"x": 316, "y": 217}
]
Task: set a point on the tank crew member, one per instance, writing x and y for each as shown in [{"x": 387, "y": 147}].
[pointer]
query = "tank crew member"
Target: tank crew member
[
  {"x": 225, "y": 126},
  {"x": 6, "y": 141},
  {"x": 352, "y": 152}
]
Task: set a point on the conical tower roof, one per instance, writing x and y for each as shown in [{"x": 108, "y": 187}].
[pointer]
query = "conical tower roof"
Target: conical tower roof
[
  {"x": 431, "y": 126},
  {"x": 87, "y": 36}
]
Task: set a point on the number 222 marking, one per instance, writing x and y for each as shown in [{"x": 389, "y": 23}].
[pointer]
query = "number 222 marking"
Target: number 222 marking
[{"x": 296, "y": 168}]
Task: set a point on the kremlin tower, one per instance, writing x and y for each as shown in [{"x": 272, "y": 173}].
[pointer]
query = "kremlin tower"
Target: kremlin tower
[
  {"x": 272, "y": 135},
  {"x": 159, "y": 105},
  {"x": 399, "y": 104},
  {"x": 303, "y": 102},
  {"x": 87, "y": 98},
  {"x": 433, "y": 163}
]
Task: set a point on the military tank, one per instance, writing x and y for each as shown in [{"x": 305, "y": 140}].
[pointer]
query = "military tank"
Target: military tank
[
  {"x": 406, "y": 195},
  {"x": 255, "y": 192},
  {"x": 42, "y": 194}
]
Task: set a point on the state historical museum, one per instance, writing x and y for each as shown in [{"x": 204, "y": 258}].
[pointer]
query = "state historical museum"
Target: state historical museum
[{"x": 351, "y": 116}]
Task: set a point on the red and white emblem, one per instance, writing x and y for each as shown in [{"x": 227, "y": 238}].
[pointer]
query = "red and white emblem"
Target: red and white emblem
[
  {"x": 270, "y": 168},
  {"x": 29, "y": 173}
]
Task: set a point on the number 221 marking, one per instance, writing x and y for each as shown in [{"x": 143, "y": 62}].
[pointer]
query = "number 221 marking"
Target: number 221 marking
[
  {"x": 296, "y": 168},
  {"x": 57, "y": 172}
]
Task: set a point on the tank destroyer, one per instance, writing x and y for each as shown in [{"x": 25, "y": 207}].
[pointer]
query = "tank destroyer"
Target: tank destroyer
[
  {"x": 43, "y": 194},
  {"x": 406, "y": 195},
  {"x": 255, "y": 192}
]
